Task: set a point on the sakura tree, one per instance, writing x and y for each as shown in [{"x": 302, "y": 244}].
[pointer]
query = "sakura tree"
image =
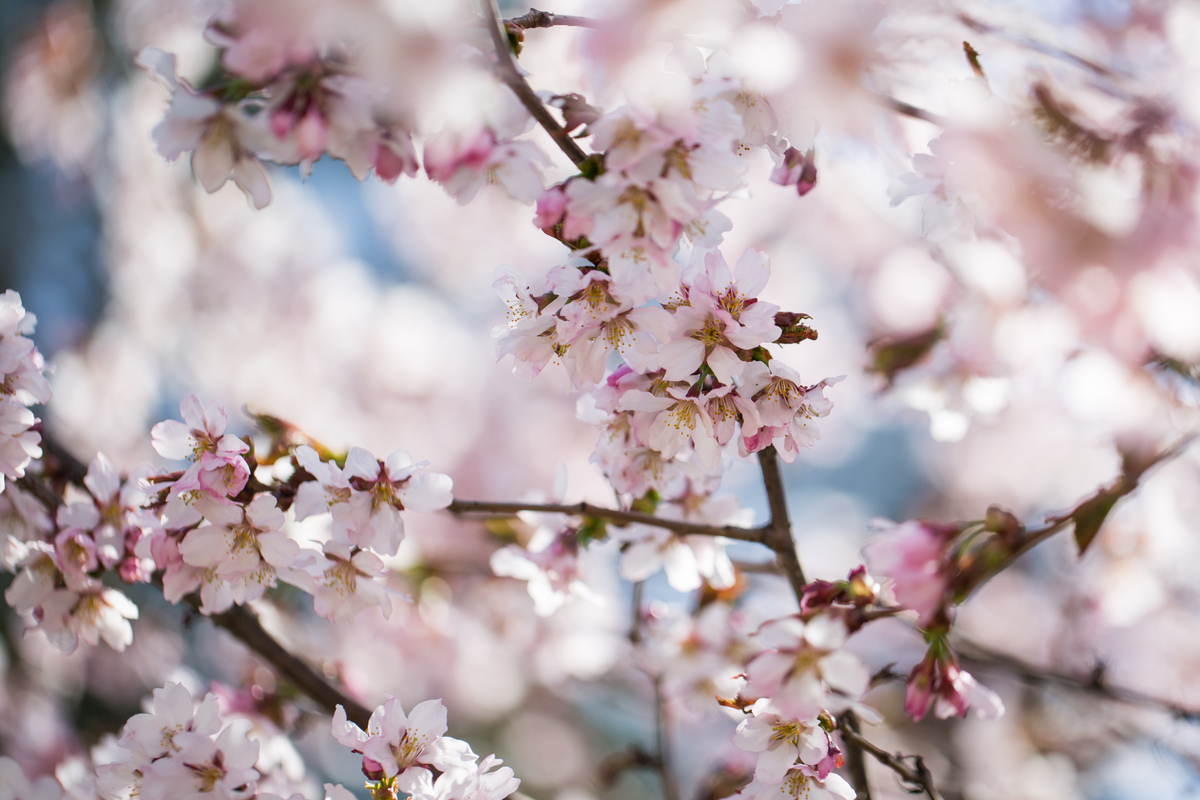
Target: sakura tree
[{"x": 720, "y": 229}]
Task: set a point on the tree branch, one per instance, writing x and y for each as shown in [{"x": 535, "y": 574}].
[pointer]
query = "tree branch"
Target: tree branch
[
  {"x": 855, "y": 761},
  {"x": 917, "y": 776},
  {"x": 1092, "y": 511},
  {"x": 778, "y": 533},
  {"x": 756, "y": 535},
  {"x": 1094, "y": 683},
  {"x": 513, "y": 79},
  {"x": 545, "y": 19},
  {"x": 245, "y": 627},
  {"x": 909, "y": 110}
]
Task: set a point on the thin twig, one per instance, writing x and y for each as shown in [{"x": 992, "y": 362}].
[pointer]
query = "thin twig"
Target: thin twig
[
  {"x": 758, "y": 567},
  {"x": 855, "y": 761},
  {"x": 636, "y": 757},
  {"x": 1125, "y": 485},
  {"x": 666, "y": 762},
  {"x": 545, "y": 19},
  {"x": 1041, "y": 47},
  {"x": 779, "y": 531},
  {"x": 1094, "y": 683},
  {"x": 756, "y": 535},
  {"x": 916, "y": 776},
  {"x": 909, "y": 110},
  {"x": 779, "y": 538},
  {"x": 513, "y": 79}
]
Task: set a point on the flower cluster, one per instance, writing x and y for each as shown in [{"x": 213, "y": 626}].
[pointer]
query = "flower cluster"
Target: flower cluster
[
  {"x": 22, "y": 384},
  {"x": 59, "y": 561},
  {"x": 210, "y": 531},
  {"x": 181, "y": 749},
  {"x": 799, "y": 682},
  {"x": 402, "y": 752},
  {"x": 697, "y": 380},
  {"x": 939, "y": 682},
  {"x": 796, "y": 757}
]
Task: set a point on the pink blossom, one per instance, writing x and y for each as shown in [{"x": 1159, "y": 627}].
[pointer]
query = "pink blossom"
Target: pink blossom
[
  {"x": 804, "y": 670},
  {"x": 395, "y": 742},
  {"x": 938, "y": 680},
  {"x": 913, "y": 555},
  {"x": 217, "y": 464},
  {"x": 215, "y": 132},
  {"x": 465, "y": 164}
]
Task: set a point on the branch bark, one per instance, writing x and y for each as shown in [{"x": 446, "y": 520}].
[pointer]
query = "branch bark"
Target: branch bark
[
  {"x": 511, "y": 76},
  {"x": 756, "y": 535},
  {"x": 855, "y": 761},
  {"x": 778, "y": 532},
  {"x": 917, "y": 776},
  {"x": 545, "y": 19},
  {"x": 245, "y": 627},
  {"x": 909, "y": 110}
]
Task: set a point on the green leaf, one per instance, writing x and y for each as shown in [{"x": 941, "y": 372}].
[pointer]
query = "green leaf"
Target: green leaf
[
  {"x": 1090, "y": 515},
  {"x": 593, "y": 529},
  {"x": 647, "y": 503}
]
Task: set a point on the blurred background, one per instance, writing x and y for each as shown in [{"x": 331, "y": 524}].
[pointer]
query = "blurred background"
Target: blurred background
[{"x": 363, "y": 314}]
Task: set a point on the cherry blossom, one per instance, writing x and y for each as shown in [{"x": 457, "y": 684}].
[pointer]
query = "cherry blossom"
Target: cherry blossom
[
  {"x": 913, "y": 555},
  {"x": 246, "y": 548},
  {"x": 15, "y": 785},
  {"x": 800, "y": 784},
  {"x": 805, "y": 671},
  {"x": 216, "y": 134},
  {"x": 181, "y": 749},
  {"x": 217, "y": 464},
  {"x": 938, "y": 681},
  {"x": 344, "y": 580},
  {"x": 395, "y": 742},
  {"x": 781, "y": 741}
]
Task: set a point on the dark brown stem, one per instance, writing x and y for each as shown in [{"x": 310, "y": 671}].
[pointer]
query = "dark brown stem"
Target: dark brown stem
[
  {"x": 917, "y": 776},
  {"x": 909, "y": 110},
  {"x": 779, "y": 538},
  {"x": 245, "y": 627},
  {"x": 778, "y": 533},
  {"x": 756, "y": 535},
  {"x": 513, "y": 79},
  {"x": 855, "y": 761},
  {"x": 545, "y": 19}
]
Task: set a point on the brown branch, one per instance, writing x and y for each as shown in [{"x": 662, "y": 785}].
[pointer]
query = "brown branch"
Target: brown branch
[
  {"x": 855, "y": 761},
  {"x": 909, "y": 110},
  {"x": 778, "y": 533},
  {"x": 1094, "y": 683},
  {"x": 245, "y": 627},
  {"x": 1093, "y": 511},
  {"x": 545, "y": 19},
  {"x": 779, "y": 538},
  {"x": 756, "y": 535},
  {"x": 917, "y": 777},
  {"x": 511, "y": 76}
]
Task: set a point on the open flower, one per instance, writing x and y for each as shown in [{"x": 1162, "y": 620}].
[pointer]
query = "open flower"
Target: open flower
[
  {"x": 217, "y": 464},
  {"x": 394, "y": 741}
]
